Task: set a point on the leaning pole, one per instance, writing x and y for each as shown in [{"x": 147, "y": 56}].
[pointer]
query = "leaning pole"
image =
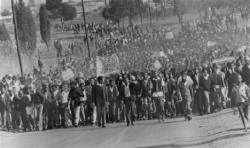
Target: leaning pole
[{"x": 16, "y": 37}]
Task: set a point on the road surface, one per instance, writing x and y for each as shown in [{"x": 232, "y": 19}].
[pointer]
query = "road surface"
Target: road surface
[{"x": 219, "y": 130}]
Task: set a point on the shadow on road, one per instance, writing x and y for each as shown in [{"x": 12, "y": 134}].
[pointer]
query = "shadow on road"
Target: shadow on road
[
  {"x": 197, "y": 143},
  {"x": 237, "y": 129}
]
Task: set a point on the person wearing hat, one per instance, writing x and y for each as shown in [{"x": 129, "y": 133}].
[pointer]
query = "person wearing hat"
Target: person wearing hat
[{"x": 99, "y": 98}]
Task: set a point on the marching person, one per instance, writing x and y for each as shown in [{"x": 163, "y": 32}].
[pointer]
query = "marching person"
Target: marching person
[
  {"x": 241, "y": 93},
  {"x": 38, "y": 102},
  {"x": 28, "y": 123},
  {"x": 112, "y": 100},
  {"x": 146, "y": 95},
  {"x": 64, "y": 105},
  {"x": 99, "y": 95},
  {"x": 217, "y": 84},
  {"x": 75, "y": 95},
  {"x": 83, "y": 100},
  {"x": 185, "y": 92},
  {"x": 158, "y": 96},
  {"x": 204, "y": 98}
]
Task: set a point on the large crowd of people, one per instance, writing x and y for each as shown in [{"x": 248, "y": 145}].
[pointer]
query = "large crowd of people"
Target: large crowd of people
[
  {"x": 124, "y": 97},
  {"x": 187, "y": 81}
]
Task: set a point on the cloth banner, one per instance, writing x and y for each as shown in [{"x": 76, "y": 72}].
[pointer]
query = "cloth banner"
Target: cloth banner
[
  {"x": 159, "y": 54},
  {"x": 223, "y": 60},
  {"x": 242, "y": 49},
  {"x": 210, "y": 44},
  {"x": 169, "y": 35},
  {"x": 107, "y": 65},
  {"x": 156, "y": 65},
  {"x": 67, "y": 74}
]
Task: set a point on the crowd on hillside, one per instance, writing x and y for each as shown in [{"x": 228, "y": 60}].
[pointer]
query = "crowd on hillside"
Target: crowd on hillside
[{"x": 186, "y": 82}]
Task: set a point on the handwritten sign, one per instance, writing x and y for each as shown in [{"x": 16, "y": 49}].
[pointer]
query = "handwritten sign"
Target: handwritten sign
[
  {"x": 107, "y": 65},
  {"x": 67, "y": 74}
]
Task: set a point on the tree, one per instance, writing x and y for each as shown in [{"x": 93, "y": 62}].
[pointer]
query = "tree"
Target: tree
[
  {"x": 61, "y": 10},
  {"x": 68, "y": 12},
  {"x": 179, "y": 10},
  {"x": 26, "y": 28},
  {"x": 6, "y": 12},
  {"x": 45, "y": 25},
  {"x": 119, "y": 9},
  {"x": 53, "y": 4},
  {"x": 4, "y": 35}
]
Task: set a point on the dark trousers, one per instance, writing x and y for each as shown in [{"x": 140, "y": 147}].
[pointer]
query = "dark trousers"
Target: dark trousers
[
  {"x": 63, "y": 112},
  {"x": 121, "y": 111},
  {"x": 130, "y": 109},
  {"x": 16, "y": 118},
  {"x": 24, "y": 118},
  {"x": 53, "y": 116},
  {"x": 187, "y": 107},
  {"x": 3, "y": 116},
  {"x": 101, "y": 114},
  {"x": 138, "y": 102},
  {"x": 112, "y": 111},
  {"x": 170, "y": 106}
]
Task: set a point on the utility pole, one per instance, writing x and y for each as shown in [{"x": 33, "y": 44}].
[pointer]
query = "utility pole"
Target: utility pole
[
  {"x": 85, "y": 27},
  {"x": 16, "y": 37},
  {"x": 139, "y": 5},
  {"x": 150, "y": 17}
]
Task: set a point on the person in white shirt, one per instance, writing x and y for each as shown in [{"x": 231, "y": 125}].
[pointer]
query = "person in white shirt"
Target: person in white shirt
[
  {"x": 63, "y": 104},
  {"x": 241, "y": 93}
]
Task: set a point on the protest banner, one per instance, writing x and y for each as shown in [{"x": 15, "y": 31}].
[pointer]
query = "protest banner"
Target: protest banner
[
  {"x": 67, "y": 74},
  {"x": 210, "y": 44},
  {"x": 107, "y": 65},
  {"x": 169, "y": 35},
  {"x": 223, "y": 60}
]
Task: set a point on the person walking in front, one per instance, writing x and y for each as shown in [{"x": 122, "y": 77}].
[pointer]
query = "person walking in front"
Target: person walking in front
[
  {"x": 75, "y": 95},
  {"x": 185, "y": 92},
  {"x": 99, "y": 95},
  {"x": 241, "y": 93},
  {"x": 38, "y": 101}
]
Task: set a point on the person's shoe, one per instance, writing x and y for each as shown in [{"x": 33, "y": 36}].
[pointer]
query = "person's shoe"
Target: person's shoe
[
  {"x": 127, "y": 123},
  {"x": 132, "y": 124},
  {"x": 189, "y": 118},
  {"x": 103, "y": 126}
]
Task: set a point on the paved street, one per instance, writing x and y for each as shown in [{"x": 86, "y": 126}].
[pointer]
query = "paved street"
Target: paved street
[{"x": 218, "y": 130}]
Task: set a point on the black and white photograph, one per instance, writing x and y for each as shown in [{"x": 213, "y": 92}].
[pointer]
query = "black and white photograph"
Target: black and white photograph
[{"x": 124, "y": 73}]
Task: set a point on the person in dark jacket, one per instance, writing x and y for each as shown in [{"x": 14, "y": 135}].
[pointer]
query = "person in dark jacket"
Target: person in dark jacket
[
  {"x": 27, "y": 108},
  {"x": 113, "y": 93},
  {"x": 99, "y": 96},
  {"x": 75, "y": 94},
  {"x": 205, "y": 87},
  {"x": 16, "y": 109},
  {"x": 38, "y": 101}
]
